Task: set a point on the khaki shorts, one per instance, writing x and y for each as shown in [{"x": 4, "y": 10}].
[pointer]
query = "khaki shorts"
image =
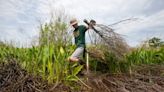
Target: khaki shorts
[{"x": 78, "y": 52}]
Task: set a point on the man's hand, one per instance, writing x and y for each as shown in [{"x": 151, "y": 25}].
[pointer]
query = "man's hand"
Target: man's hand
[{"x": 93, "y": 22}]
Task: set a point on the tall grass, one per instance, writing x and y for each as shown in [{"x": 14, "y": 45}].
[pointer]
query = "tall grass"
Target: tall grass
[
  {"x": 49, "y": 58},
  {"x": 134, "y": 58},
  {"x": 146, "y": 56}
]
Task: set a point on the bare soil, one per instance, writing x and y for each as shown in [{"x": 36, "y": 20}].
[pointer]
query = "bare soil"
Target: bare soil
[{"x": 145, "y": 78}]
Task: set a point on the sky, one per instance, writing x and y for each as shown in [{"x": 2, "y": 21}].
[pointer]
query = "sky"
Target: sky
[{"x": 20, "y": 19}]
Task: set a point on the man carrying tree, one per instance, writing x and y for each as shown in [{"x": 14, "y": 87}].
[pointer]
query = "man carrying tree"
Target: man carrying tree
[{"x": 79, "y": 35}]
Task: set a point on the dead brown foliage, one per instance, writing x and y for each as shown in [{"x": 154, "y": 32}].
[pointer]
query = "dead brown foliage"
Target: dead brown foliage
[{"x": 15, "y": 79}]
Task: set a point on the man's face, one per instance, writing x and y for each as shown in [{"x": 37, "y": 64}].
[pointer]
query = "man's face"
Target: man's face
[{"x": 75, "y": 26}]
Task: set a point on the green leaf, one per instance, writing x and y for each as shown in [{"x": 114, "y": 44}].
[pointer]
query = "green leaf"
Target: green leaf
[
  {"x": 62, "y": 50},
  {"x": 71, "y": 78},
  {"x": 77, "y": 70}
]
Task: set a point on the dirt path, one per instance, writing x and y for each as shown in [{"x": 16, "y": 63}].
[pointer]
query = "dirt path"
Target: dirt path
[
  {"x": 126, "y": 83},
  {"x": 146, "y": 79}
]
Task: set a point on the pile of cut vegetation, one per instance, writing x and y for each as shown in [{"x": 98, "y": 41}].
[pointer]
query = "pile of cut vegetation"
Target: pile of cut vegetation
[{"x": 15, "y": 79}]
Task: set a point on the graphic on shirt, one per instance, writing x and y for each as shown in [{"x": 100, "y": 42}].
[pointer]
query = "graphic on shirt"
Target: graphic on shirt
[{"x": 76, "y": 33}]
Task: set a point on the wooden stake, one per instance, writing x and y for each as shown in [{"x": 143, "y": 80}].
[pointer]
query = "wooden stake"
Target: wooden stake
[{"x": 87, "y": 63}]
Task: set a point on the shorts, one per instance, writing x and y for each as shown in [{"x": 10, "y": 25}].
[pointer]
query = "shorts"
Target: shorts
[{"x": 78, "y": 52}]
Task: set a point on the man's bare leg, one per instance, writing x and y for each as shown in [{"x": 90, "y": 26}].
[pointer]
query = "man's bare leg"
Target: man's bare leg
[{"x": 71, "y": 59}]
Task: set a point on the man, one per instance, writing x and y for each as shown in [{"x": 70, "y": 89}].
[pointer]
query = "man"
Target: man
[{"x": 79, "y": 35}]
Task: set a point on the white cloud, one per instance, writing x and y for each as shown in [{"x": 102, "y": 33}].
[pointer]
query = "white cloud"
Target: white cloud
[
  {"x": 145, "y": 22},
  {"x": 25, "y": 14}
]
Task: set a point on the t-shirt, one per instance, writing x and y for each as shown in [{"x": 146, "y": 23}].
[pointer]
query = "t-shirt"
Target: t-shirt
[{"x": 79, "y": 34}]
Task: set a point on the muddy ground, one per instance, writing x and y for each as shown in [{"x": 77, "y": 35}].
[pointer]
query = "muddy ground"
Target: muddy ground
[{"x": 145, "y": 79}]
